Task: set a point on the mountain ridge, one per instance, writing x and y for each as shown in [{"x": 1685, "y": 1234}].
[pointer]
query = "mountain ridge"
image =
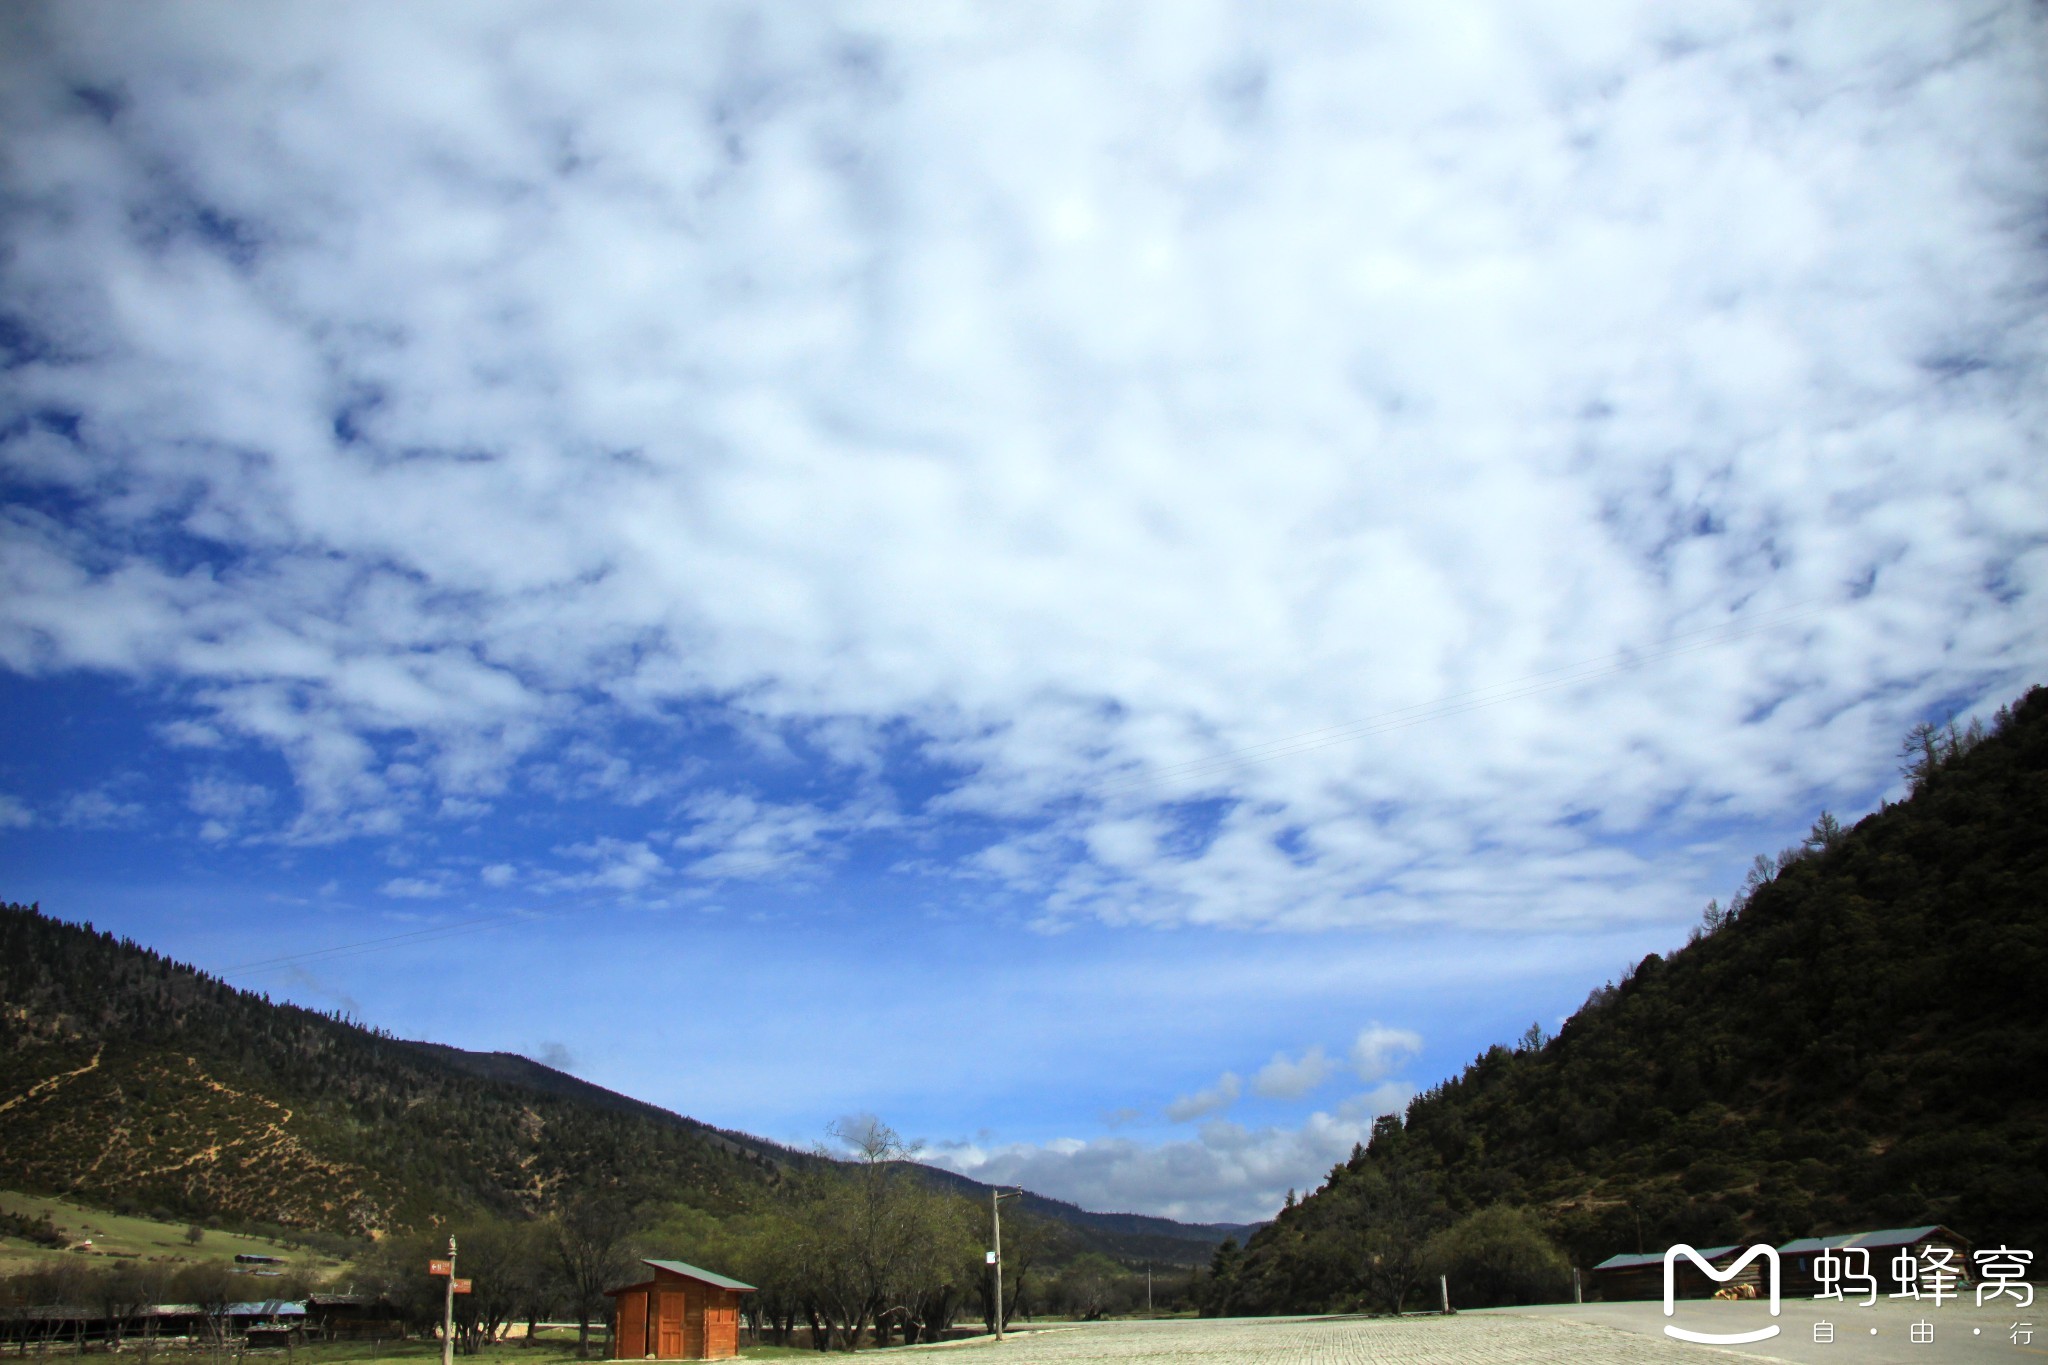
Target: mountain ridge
[
  {"x": 132, "y": 1079},
  {"x": 1854, "y": 1043}
]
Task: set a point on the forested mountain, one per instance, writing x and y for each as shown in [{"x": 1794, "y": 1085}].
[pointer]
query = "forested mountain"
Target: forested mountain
[
  {"x": 128, "y": 1078},
  {"x": 136, "y": 1082},
  {"x": 1130, "y": 1236},
  {"x": 1858, "y": 1041}
]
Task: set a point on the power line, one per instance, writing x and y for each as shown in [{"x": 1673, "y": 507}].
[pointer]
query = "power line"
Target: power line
[{"x": 342, "y": 950}]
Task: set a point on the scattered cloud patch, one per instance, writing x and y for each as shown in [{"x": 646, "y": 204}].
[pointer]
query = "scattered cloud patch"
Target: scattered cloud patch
[
  {"x": 99, "y": 809},
  {"x": 1380, "y": 1051},
  {"x": 1225, "y": 1173},
  {"x": 1285, "y": 1079},
  {"x": 617, "y": 864},
  {"x": 1213, "y": 1100},
  {"x": 190, "y": 734},
  {"x": 225, "y": 802},
  {"x": 415, "y": 888},
  {"x": 733, "y": 835},
  {"x": 15, "y": 813}
]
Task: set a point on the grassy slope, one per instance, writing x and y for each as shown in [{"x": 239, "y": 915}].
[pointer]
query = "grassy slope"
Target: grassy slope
[{"x": 123, "y": 1235}]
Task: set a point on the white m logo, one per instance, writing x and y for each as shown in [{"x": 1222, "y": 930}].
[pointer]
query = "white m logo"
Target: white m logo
[{"x": 1769, "y": 1253}]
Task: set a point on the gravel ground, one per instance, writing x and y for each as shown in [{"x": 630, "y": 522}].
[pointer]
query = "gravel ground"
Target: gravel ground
[
  {"x": 1498, "y": 1337},
  {"x": 1461, "y": 1340}
]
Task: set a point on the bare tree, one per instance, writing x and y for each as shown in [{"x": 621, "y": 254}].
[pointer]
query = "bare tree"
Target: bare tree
[
  {"x": 210, "y": 1288},
  {"x": 122, "y": 1292},
  {"x": 503, "y": 1259},
  {"x": 587, "y": 1239}
]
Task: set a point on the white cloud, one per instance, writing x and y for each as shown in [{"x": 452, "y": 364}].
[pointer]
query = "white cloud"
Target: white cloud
[
  {"x": 1226, "y": 1173},
  {"x": 14, "y": 813},
  {"x": 1379, "y": 1051},
  {"x": 499, "y": 874},
  {"x": 190, "y": 734},
  {"x": 620, "y": 864},
  {"x": 415, "y": 888},
  {"x": 1141, "y": 425},
  {"x": 1213, "y": 1100},
  {"x": 227, "y": 803},
  {"x": 733, "y": 834},
  {"x": 1282, "y": 1079},
  {"x": 99, "y": 809}
]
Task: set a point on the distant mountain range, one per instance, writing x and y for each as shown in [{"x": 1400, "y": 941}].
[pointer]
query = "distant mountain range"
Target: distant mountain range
[
  {"x": 1857, "y": 1041},
  {"x": 142, "y": 1084},
  {"x": 1130, "y": 1235}
]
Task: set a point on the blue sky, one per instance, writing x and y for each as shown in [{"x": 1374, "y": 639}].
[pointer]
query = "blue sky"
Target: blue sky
[{"x": 1123, "y": 586}]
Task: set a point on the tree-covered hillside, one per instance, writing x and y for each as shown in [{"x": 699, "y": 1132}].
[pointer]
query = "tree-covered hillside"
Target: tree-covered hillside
[
  {"x": 1858, "y": 1041},
  {"x": 135, "y": 1081}
]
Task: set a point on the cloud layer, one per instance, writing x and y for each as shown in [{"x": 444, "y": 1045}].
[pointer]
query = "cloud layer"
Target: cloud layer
[
  {"x": 1184, "y": 464},
  {"x": 1226, "y": 1173},
  {"x": 1091, "y": 401}
]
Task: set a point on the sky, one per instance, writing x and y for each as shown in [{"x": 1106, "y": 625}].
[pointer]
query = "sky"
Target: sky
[{"x": 1122, "y": 587}]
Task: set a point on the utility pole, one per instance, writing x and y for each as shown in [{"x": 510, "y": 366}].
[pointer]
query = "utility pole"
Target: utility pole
[
  {"x": 1148, "y": 1289},
  {"x": 448, "y": 1310},
  {"x": 995, "y": 1257}
]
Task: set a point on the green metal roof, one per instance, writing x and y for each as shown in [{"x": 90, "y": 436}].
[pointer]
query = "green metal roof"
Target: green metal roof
[
  {"x": 684, "y": 1268},
  {"x": 1633, "y": 1260},
  {"x": 1884, "y": 1237}
]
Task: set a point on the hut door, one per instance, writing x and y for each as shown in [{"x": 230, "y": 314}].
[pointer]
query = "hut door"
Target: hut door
[
  {"x": 632, "y": 1341},
  {"x": 669, "y": 1340},
  {"x": 721, "y": 1333}
]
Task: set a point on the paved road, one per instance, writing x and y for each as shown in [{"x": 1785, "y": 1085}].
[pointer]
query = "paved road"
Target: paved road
[{"x": 1598, "y": 1334}]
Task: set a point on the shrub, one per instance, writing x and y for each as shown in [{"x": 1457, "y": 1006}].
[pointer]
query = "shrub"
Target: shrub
[{"x": 1499, "y": 1256}]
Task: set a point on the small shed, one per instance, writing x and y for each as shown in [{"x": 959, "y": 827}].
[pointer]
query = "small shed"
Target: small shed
[
  {"x": 683, "y": 1313},
  {"x": 339, "y": 1317},
  {"x": 1799, "y": 1257}
]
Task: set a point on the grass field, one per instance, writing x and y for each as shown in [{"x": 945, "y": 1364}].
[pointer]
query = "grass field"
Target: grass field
[
  {"x": 121, "y": 1235},
  {"x": 555, "y": 1346}
]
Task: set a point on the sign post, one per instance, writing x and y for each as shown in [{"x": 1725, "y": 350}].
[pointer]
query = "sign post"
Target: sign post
[{"x": 455, "y": 1287}]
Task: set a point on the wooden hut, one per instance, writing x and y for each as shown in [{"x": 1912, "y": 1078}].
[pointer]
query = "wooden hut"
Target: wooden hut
[
  {"x": 683, "y": 1313},
  {"x": 350, "y": 1317},
  {"x": 1641, "y": 1276},
  {"x": 1883, "y": 1246}
]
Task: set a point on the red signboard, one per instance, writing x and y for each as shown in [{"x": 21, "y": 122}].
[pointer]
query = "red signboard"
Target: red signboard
[
  {"x": 440, "y": 1267},
  {"x": 461, "y": 1286}
]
